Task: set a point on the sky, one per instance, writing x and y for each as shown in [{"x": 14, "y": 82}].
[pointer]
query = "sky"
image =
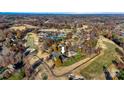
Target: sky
[{"x": 70, "y": 6}]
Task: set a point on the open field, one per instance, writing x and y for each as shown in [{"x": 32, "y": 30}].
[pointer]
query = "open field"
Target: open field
[{"x": 96, "y": 67}]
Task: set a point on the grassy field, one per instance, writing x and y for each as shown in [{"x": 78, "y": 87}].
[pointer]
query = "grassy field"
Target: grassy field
[
  {"x": 31, "y": 39},
  {"x": 74, "y": 59},
  {"x": 96, "y": 67},
  {"x": 18, "y": 75}
]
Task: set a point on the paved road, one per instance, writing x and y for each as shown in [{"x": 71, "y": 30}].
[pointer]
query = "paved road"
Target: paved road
[{"x": 59, "y": 72}]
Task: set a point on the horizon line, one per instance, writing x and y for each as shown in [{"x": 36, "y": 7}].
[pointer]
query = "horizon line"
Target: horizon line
[{"x": 62, "y": 13}]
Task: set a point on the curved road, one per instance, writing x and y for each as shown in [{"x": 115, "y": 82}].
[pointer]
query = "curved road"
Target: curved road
[{"x": 73, "y": 67}]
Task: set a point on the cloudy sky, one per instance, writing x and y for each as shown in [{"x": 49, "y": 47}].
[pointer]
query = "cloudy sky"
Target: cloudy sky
[{"x": 72, "y": 6}]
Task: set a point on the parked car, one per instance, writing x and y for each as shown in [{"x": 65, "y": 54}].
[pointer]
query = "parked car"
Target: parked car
[{"x": 75, "y": 77}]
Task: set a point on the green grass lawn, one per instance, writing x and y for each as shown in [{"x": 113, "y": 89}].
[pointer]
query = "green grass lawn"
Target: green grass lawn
[
  {"x": 19, "y": 75},
  {"x": 96, "y": 67},
  {"x": 30, "y": 42},
  {"x": 74, "y": 59}
]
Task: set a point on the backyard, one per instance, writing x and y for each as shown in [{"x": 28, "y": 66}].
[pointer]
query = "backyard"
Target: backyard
[{"x": 74, "y": 59}]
